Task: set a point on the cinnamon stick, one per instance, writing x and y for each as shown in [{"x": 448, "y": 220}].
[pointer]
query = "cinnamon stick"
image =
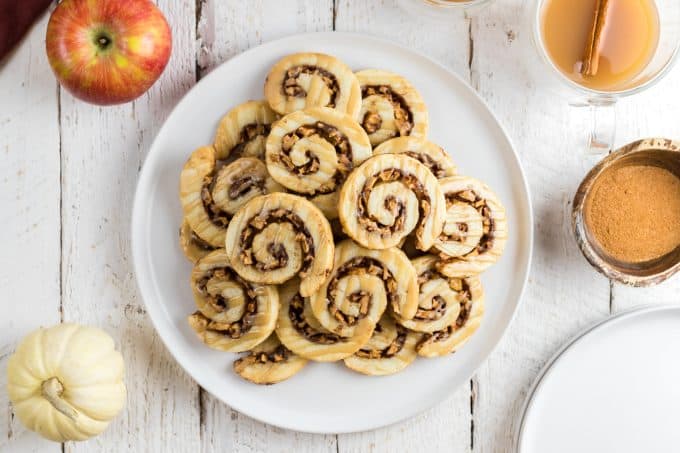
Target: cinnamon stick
[{"x": 591, "y": 59}]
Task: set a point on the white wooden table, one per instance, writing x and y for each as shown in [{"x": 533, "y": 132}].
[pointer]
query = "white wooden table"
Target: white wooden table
[{"x": 68, "y": 174}]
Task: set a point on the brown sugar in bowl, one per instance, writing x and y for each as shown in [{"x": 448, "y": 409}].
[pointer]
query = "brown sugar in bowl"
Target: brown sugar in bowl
[{"x": 657, "y": 152}]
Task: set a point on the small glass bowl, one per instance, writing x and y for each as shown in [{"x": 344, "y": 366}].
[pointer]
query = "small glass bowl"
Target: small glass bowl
[{"x": 659, "y": 152}]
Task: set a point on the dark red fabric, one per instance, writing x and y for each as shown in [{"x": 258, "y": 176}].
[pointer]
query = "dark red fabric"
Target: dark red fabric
[{"x": 16, "y": 17}]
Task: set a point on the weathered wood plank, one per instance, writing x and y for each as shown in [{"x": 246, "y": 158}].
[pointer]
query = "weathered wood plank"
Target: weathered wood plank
[
  {"x": 446, "y": 427},
  {"x": 225, "y": 29},
  {"x": 563, "y": 294},
  {"x": 641, "y": 116},
  {"x": 103, "y": 149},
  {"x": 29, "y": 196}
]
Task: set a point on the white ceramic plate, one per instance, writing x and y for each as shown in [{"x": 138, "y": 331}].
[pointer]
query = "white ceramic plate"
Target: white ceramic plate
[
  {"x": 325, "y": 397},
  {"x": 614, "y": 388}
]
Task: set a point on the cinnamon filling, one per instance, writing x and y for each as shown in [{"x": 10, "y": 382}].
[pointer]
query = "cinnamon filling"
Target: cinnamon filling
[
  {"x": 330, "y": 134},
  {"x": 296, "y": 313},
  {"x": 390, "y": 351},
  {"x": 427, "y": 160},
  {"x": 292, "y": 88},
  {"x": 258, "y": 223},
  {"x": 278, "y": 355},
  {"x": 249, "y": 132},
  {"x": 397, "y": 208},
  {"x": 402, "y": 114},
  {"x": 220, "y": 304},
  {"x": 237, "y": 189},
  {"x": 217, "y": 217},
  {"x": 439, "y": 304},
  {"x": 470, "y": 197},
  {"x": 245, "y": 184},
  {"x": 442, "y": 335},
  {"x": 361, "y": 300},
  {"x": 371, "y": 122}
]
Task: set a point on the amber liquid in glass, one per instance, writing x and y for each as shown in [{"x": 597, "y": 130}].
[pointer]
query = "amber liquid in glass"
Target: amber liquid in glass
[{"x": 630, "y": 34}]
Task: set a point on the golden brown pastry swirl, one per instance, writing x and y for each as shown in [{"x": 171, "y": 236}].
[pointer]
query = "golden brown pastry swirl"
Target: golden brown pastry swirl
[
  {"x": 387, "y": 198},
  {"x": 274, "y": 237}
]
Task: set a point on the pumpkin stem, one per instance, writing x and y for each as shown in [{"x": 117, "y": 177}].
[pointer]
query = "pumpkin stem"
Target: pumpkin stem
[{"x": 52, "y": 390}]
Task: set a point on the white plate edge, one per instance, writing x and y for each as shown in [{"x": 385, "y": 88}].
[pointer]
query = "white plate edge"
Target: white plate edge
[{"x": 576, "y": 338}]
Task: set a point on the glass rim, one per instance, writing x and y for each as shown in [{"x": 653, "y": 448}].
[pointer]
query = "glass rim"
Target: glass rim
[{"x": 593, "y": 92}]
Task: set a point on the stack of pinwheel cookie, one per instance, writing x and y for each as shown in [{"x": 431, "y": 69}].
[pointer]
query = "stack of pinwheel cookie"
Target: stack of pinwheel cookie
[{"x": 324, "y": 226}]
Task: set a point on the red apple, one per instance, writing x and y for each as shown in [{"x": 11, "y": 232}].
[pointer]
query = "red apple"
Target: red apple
[{"x": 108, "y": 51}]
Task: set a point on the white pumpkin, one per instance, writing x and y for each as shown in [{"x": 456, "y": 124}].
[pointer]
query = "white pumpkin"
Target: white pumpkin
[{"x": 66, "y": 382}]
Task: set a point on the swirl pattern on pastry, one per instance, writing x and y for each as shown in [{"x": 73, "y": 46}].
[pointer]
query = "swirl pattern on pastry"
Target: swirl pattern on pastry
[
  {"x": 233, "y": 315},
  {"x": 301, "y": 332},
  {"x": 362, "y": 284},
  {"x": 450, "y": 339},
  {"x": 387, "y": 198},
  {"x": 427, "y": 153},
  {"x": 211, "y": 192},
  {"x": 274, "y": 237},
  {"x": 391, "y": 349},
  {"x": 390, "y": 107},
  {"x": 194, "y": 248},
  {"x": 475, "y": 230},
  {"x": 303, "y": 80},
  {"x": 311, "y": 152},
  {"x": 269, "y": 363},
  {"x": 439, "y": 298},
  {"x": 243, "y": 131}
]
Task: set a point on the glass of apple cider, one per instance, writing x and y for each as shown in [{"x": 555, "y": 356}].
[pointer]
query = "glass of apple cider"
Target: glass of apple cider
[{"x": 602, "y": 50}]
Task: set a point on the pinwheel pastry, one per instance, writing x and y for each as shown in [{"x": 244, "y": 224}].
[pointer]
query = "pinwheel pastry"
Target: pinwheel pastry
[
  {"x": 274, "y": 237},
  {"x": 233, "y": 315},
  {"x": 390, "y": 107},
  {"x": 243, "y": 131},
  {"x": 303, "y": 80},
  {"x": 193, "y": 247},
  {"x": 299, "y": 330},
  {"x": 268, "y": 363},
  {"x": 311, "y": 152},
  {"x": 391, "y": 349},
  {"x": 363, "y": 283},
  {"x": 475, "y": 230},
  {"x": 387, "y": 198},
  {"x": 427, "y": 153},
  {"x": 469, "y": 313},
  {"x": 211, "y": 192},
  {"x": 440, "y": 297}
]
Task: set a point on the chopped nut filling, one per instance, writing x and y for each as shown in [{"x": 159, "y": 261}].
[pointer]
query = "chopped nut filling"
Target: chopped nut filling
[
  {"x": 303, "y": 237},
  {"x": 249, "y": 132},
  {"x": 370, "y": 223},
  {"x": 439, "y": 305},
  {"x": 361, "y": 300},
  {"x": 429, "y": 162},
  {"x": 332, "y": 135},
  {"x": 470, "y": 197},
  {"x": 371, "y": 122},
  {"x": 278, "y": 355},
  {"x": 219, "y": 304},
  {"x": 243, "y": 185},
  {"x": 402, "y": 114},
  {"x": 215, "y": 214},
  {"x": 292, "y": 88},
  {"x": 442, "y": 335},
  {"x": 296, "y": 313},
  {"x": 390, "y": 351}
]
